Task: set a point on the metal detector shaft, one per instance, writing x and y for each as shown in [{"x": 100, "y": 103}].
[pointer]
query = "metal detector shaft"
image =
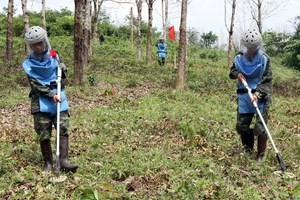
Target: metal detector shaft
[
  {"x": 278, "y": 154},
  {"x": 58, "y": 121},
  {"x": 58, "y": 81}
]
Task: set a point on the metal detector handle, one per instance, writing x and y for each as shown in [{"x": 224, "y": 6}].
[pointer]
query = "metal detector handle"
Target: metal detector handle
[
  {"x": 278, "y": 154},
  {"x": 249, "y": 92}
]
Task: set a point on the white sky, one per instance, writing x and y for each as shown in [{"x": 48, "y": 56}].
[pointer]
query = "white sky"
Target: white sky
[{"x": 203, "y": 15}]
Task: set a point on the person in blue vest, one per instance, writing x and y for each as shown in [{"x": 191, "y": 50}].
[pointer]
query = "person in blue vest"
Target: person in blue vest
[
  {"x": 41, "y": 69},
  {"x": 253, "y": 65},
  {"x": 162, "y": 51}
]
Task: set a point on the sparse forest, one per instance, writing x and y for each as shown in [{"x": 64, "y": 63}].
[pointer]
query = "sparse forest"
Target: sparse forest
[{"x": 140, "y": 130}]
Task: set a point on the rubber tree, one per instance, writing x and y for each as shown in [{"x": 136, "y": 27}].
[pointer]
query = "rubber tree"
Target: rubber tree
[
  {"x": 95, "y": 20},
  {"x": 139, "y": 4},
  {"x": 44, "y": 25},
  {"x": 149, "y": 31},
  {"x": 229, "y": 28},
  {"x": 78, "y": 43},
  {"x": 25, "y": 21},
  {"x": 182, "y": 46},
  {"x": 262, "y": 9},
  {"x": 9, "y": 32},
  {"x": 87, "y": 50}
]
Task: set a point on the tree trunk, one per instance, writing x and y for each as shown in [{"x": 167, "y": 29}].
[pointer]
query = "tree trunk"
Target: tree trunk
[
  {"x": 259, "y": 18},
  {"x": 182, "y": 46},
  {"x": 9, "y": 33},
  {"x": 166, "y": 19},
  {"x": 230, "y": 32},
  {"x": 78, "y": 43},
  {"x": 149, "y": 32},
  {"x": 25, "y": 21},
  {"x": 139, "y": 4},
  {"x": 44, "y": 15},
  {"x": 87, "y": 51},
  {"x": 97, "y": 9},
  {"x": 163, "y": 19},
  {"x": 131, "y": 28},
  {"x": 262, "y": 9}
]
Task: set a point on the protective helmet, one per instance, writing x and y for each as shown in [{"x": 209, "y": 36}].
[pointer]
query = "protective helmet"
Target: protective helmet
[
  {"x": 251, "y": 39},
  {"x": 35, "y": 34}
]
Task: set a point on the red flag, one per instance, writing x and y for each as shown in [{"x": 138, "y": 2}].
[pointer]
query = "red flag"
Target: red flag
[
  {"x": 172, "y": 33},
  {"x": 52, "y": 53}
]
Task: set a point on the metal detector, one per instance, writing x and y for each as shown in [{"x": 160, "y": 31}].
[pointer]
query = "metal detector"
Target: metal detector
[
  {"x": 278, "y": 154},
  {"x": 58, "y": 178}
]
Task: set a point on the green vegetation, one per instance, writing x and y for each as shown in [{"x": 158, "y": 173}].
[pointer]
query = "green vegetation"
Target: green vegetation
[
  {"x": 285, "y": 45},
  {"x": 276, "y": 44},
  {"x": 136, "y": 137}
]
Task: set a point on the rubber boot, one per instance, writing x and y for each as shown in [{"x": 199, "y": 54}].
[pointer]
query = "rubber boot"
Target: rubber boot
[
  {"x": 47, "y": 155},
  {"x": 159, "y": 61},
  {"x": 163, "y": 61},
  {"x": 248, "y": 141},
  {"x": 261, "y": 146},
  {"x": 64, "y": 148}
]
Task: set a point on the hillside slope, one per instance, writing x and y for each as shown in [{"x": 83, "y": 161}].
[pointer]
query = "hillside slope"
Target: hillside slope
[{"x": 136, "y": 137}]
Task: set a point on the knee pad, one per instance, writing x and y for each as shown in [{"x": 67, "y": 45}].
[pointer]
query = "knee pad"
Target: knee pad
[
  {"x": 243, "y": 129},
  {"x": 259, "y": 130}
]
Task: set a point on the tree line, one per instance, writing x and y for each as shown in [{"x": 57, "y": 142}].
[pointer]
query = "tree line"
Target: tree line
[{"x": 89, "y": 20}]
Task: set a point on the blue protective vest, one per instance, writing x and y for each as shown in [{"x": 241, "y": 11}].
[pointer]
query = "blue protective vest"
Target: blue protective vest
[
  {"x": 45, "y": 72},
  {"x": 253, "y": 71},
  {"x": 162, "y": 50}
]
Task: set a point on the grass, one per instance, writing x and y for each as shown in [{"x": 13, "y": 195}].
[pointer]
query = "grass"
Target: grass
[{"x": 136, "y": 137}]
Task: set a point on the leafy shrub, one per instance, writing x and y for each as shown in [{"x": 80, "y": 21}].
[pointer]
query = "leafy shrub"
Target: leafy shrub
[{"x": 211, "y": 54}]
